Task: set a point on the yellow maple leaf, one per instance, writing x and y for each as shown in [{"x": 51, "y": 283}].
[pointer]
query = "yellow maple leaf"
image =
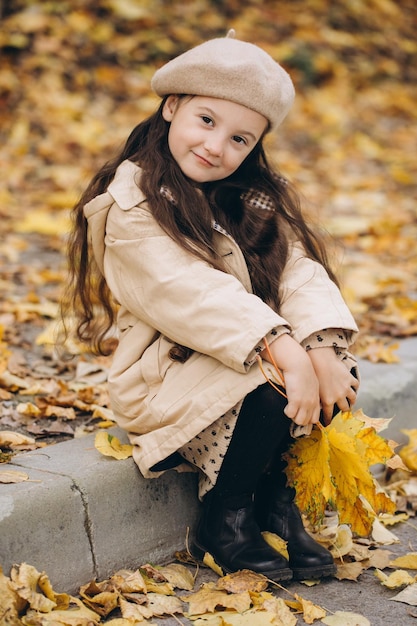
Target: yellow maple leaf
[
  {"x": 332, "y": 467},
  {"x": 307, "y": 459}
]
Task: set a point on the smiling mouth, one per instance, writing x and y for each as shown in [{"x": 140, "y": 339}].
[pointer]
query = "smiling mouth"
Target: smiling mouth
[{"x": 202, "y": 160}]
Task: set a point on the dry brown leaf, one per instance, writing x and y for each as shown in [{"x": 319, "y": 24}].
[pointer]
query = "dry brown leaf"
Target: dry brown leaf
[
  {"x": 12, "y": 603},
  {"x": 134, "y": 611},
  {"x": 178, "y": 576},
  {"x": 10, "y": 439},
  {"x": 25, "y": 580},
  {"x": 311, "y": 611},
  {"x": 407, "y": 595},
  {"x": 349, "y": 571},
  {"x": 164, "y": 605},
  {"x": 77, "y": 615},
  {"x": 127, "y": 581},
  {"x": 243, "y": 580},
  {"x": 13, "y": 476},
  {"x": 208, "y": 598}
]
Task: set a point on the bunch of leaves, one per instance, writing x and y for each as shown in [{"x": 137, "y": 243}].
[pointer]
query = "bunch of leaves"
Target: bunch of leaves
[{"x": 331, "y": 468}]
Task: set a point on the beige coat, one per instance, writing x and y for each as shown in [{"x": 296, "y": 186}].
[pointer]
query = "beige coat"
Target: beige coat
[{"x": 167, "y": 295}]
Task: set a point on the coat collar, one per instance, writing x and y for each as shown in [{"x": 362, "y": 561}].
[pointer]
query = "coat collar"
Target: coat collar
[{"x": 124, "y": 186}]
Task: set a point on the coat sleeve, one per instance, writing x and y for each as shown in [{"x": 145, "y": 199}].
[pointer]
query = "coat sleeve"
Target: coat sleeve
[
  {"x": 180, "y": 296},
  {"x": 310, "y": 300}
]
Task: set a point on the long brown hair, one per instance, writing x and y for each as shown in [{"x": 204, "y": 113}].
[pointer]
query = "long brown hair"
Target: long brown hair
[{"x": 263, "y": 234}]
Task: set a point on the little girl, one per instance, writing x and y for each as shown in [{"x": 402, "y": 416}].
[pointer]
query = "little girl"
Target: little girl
[{"x": 199, "y": 250}]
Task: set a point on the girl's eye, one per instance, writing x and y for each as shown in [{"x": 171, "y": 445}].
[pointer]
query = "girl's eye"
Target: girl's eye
[
  {"x": 206, "y": 119},
  {"x": 239, "y": 139}
]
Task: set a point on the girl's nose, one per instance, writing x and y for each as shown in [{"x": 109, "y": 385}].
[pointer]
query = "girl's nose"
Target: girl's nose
[{"x": 214, "y": 144}]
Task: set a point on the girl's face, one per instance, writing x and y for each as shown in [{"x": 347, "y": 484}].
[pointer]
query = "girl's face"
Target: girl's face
[{"x": 208, "y": 137}]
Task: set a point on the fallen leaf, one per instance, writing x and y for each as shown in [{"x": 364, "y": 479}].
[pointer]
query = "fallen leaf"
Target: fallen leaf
[
  {"x": 13, "y": 476},
  {"x": 349, "y": 571},
  {"x": 243, "y": 580},
  {"x": 25, "y": 582},
  {"x": 344, "y": 618},
  {"x": 178, "y": 576},
  {"x": 10, "y": 439},
  {"x": 276, "y": 542},
  {"x": 109, "y": 445},
  {"x": 311, "y": 611},
  {"x": 399, "y": 578},
  {"x": 209, "y": 561},
  {"x": 77, "y": 615},
  {"x": 408, "y": 561},
  {"x": 208, "y": 598},
  {"x": 407, "y": 595}
]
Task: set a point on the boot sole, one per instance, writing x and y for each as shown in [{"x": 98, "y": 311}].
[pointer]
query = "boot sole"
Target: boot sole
[
  {"x": 308, "y": 573},
  {"x": 198, "y": 553}
]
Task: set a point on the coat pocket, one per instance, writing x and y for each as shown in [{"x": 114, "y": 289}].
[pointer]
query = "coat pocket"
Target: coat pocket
[{"x": 155, "y": 362}]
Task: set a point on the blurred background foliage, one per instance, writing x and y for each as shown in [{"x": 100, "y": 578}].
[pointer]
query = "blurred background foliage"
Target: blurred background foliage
[{"x": 74, "y": 80}]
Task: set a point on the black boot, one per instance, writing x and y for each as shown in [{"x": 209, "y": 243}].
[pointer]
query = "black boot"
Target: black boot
[
  {"x": 228, "y": 531},
  {"x": 276, "y": 511}
]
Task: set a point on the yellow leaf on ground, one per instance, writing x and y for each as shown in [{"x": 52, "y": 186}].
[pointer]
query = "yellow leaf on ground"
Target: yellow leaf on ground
[
  {"x": 208, "y": 598},
  {"x": 25, "y": 580},
  {"x": 12, "y": 603},
  {"x": 80, "y": 616},
  {"x": 178, "y": 576},
  {"x": 408, "y": 561},
  {"x": 344, "y": 618},
  {"x": 29, "y": 409},
  {"x": 311, "y": 612},
  {"x": 133, "y": 611},
  {"x": 209, "y": 561},
  {"x": 250, "y": 618},
  {"x": 102, "y": 603},
  {"x": 127, "y": 581},
  {"x": 164, "y": 605},
  {"x": 382, "y": 535},
  {"x": 109, "y": 445},
  {"x": 9, "y": 439},
  {"x": 399, "y": 578}
]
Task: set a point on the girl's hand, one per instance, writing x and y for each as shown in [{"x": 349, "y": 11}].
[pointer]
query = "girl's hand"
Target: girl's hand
[
  {"x": 301, "y": 383},
  {"x": 337, "y": 385}
]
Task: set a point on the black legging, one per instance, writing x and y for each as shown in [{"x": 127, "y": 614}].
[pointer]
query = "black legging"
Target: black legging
[{"x": 260, "y": 436}]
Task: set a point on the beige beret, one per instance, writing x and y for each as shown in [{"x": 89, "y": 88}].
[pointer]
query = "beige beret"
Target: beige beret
[{"x": 233, "y": 70}]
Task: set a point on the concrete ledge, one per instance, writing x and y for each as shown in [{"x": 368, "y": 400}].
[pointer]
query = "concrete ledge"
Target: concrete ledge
[
  {"x": 390, "y": 390},
  {"x": 89, "y": 515}
]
